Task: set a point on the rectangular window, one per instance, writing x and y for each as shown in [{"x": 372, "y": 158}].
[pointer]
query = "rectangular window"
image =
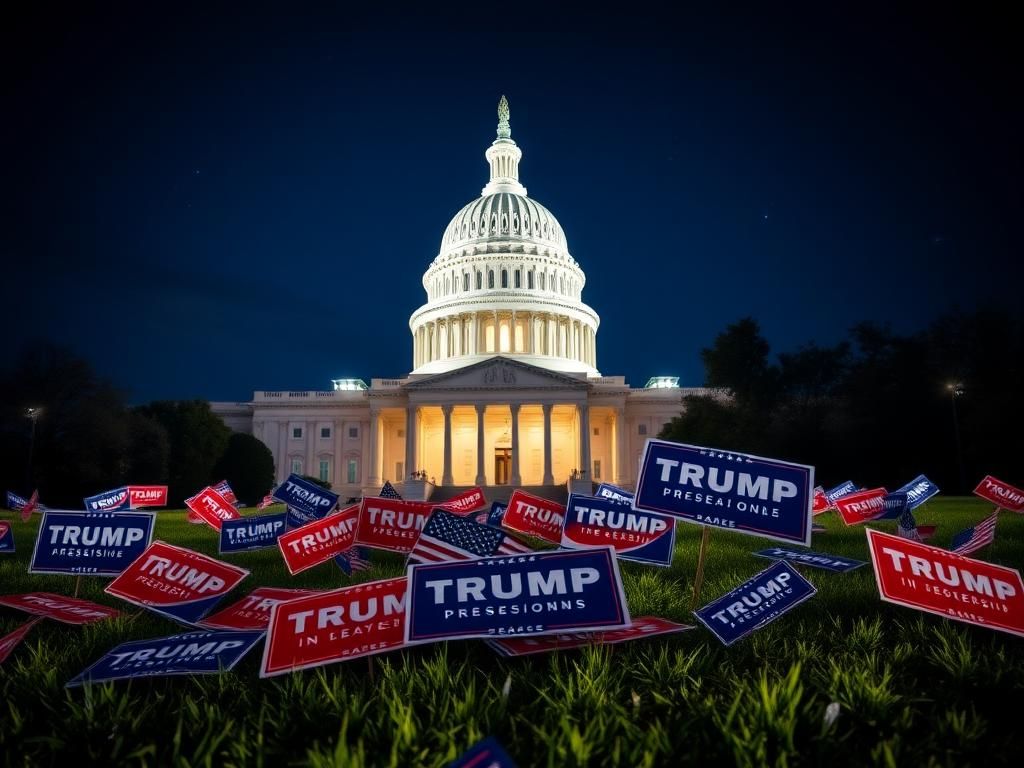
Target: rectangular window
[
  {"x": 325, "y": 470},
  {"x": 353, "y": 471},
  {"x": 597, "y": 431},
  {"x": 597, "y": 469},
  {"x": 401, "y": 433},
  {"x": 296, "y": 433},
  {"x": 296, "y": 466},
  {"x": 325, "y": 433},
  {"x": 353, "y": 431},
  {"x": 641, "y": 429}
]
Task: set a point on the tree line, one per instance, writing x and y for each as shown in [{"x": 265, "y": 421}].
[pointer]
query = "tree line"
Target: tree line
[{"x": 878, "y": 408}]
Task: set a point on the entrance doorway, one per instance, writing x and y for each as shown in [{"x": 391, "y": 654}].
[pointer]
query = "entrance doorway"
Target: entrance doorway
[{"x": 502, "y": 465}]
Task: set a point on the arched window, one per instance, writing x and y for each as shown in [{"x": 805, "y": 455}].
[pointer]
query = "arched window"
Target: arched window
[
  {"x": 518, "y": 279},
  {"x": 529, "y": 279},
  {"x": 504, "y": 278},
  {"x": 479, "y": 279},
  {"x": 490, "y": 278}
]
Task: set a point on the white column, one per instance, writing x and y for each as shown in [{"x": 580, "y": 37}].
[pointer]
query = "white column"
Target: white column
[
  {"x": 446, "y": 475},
  {"x": 283, "y": 467},
  {"x": 411, "y": 412},
  {"x": 375, "y": 448},
  {"x": 338, "y": 433},
  {"x": 584, "y": 412},
  {"x": 481, "y": 478},
  {"x": 312, "y": 465},
  {"x": 364, "y": 452},
  {"x": 516, "y": 479},
  {"x": 548, "y": 477}
]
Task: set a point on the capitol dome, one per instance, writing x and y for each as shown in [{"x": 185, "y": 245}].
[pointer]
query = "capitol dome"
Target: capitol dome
[{"x": 504, "y": 282}]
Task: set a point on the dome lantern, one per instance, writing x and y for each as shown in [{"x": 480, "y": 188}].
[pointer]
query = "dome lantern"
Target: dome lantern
[{"x": 503, "y": 156}]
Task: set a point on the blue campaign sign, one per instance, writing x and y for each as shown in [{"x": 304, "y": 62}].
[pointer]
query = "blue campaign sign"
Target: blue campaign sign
[
  {"x": 724, "y": 489},
  {"x": 90, "y": 543},
  {"x": 306, "y": 500},
  {"x": 484, "y": 754},
  {"x": 894, "y": 505},
  {"x": 918, "y": 491},
  {"x": 109, "y": 501},
  {"x": 6, "y": 537},
  {"x": 190, "y": 653},
  {"x": 254, "y": 532},
  {"x": 814, "y": 559},
  {"x": 643, "y": 537},
  {"x": 755, "y": 603},
  {"x": 497, "y": 513},
  {"x": 539, "y": 594},
  {"x": 843, "y": 489},
  {"x": 613, "y": 492}
]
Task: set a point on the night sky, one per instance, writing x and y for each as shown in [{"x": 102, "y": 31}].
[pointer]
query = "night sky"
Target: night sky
[{"x": 203, "y": 203}]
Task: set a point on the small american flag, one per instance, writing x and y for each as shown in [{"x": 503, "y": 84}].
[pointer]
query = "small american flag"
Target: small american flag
[
  {"x": 388, "y": 491},
  {"x": 354, "y": 559},
  {"x": 266, "y": 502},
  {"x": 225, "y": 490},
  {"x": 450, "y": 537},
  {"x": 973, "y": 539},
  {"x": 907, "y": 527}
]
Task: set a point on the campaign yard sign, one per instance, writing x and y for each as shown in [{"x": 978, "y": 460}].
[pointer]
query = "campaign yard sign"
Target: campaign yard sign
[
  {"x": 935, "y": 580},
  {"x": 6, "y": 537},
  {"x": 190, "y": 653},
  {"x": 335, "y": 626},
  {"x": 895, "y": 505},
  {"x": 843, "y": 489},
  {"x": 306, "y": 501},
  {"x": 10, "y": 641},
  {"x": 253, "y": 610},
  {"x": 820, "y": 502},
  {"x": 247, "y": 533},
  {"x": 862, "y": 506},
  {"x": 147, "y": 496},
  {"x": 212, "y": 508},
  {"x": 484, "y": 754},
  {"x": 176, "y": 582},
  {"x": 68, "y": 610},
  {"x": 1001, "y": 494},
  {"x": 918, "y": 491},
  {"x": 642, "y": 537},
  {"x": 535, "y": 516},
  {"x": 814, "y": 559},
  {"x": 497, "y": 513},
  {"x": 613, "y": 492},
  {"x": 109, "y": 501},
  {"x": 466, "y": 503},
  {"x": 755, "y": 603},
  {"x": 537, "y": 594},
  {"x": 736, "y": 491},
  {"x": 318, "y": 541},
  {"x": 88, "y": 543},
  {"x": 644, "y": 626},
  {"x": 391, "y": 524}
]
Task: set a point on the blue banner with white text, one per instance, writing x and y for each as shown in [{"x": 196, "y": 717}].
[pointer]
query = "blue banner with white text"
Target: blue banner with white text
[
  {"x": 109, "y": 501},
  {"x": 306, "y": 501},
  {"x": 90, "y": 543},
  {"x": 256, "y": 532},
  {"x": 613, "y": 492},
  {"x": 643, "y": 537},
  {"x": 815, "y": 559},
  {"x": 918, "y": 491}
]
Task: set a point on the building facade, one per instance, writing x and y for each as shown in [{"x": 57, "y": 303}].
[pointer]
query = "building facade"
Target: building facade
[{"x": 504, "y": 388}]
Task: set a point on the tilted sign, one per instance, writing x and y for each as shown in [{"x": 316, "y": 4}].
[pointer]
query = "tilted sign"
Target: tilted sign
[
  {"x": 820, "y": 502},
  {"x": 894, "y": 505},
  {"x": 613, "y": 492},
  {"x": 109, "y": 501},
  {"x": 190, "y": 653},
  {"x": 10, "y": 641},
  {"x": 755, "y": 603},
  {"x": 306, "y": 501},
  {"x": 749, "y": 494},
  {"x": 334, "y": 626},
  {"x": 6, "y": 537},
  {"x": 918, "y": 491},
  {"x": 538, "y": 594},
  {"x": 1001, "y": 494},
  {"x": 88, "y": 543},
  {"x": 643, "y": 537},
  {"x": 212, "y": 508},
  {"x": 815, "y": 559},
  {"x": 465, "y": 503},
  {"x": 68, "y": 610},
  {"x": 176, "y": 582},
  {"x": 843, "y": 489},
  {"x": 391, "y": 524},
  {"x": 318, "y": 541},
  {"x": 494, "y": 517},
  {"x": 937, "y": 581},
  {"x": 535, "y": 516},
  {"x": 644, "y": 626},
  {"x": 147, "y": 496},
  {"x": 862, "y": 506},
  {"x": 247, "y": 533},
  {"x": 253, "y": 610}
]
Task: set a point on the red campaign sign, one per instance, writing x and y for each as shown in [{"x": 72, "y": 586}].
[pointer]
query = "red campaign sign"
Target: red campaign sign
[
  {"x": 318, "y": 541},
  {"x": 9, "y": 642},
  {"x": 535, "y": 516},
  {"x": 466, "y": 503},
  {"x": 334, "y": 626},
  {"x": 253, "y": 610},
  {"x": 937, "y": 581},
  {"x": 1001, "y": 494},
  {"x": 644, "y": 626},
  {"x": 862, "y": 506},
  {"x": 391, "y": 524},
  {"x": 212, "y": 508},
  {"x": 820, "y": 502},
  {"x": 147, "y": 496},
  {"x": 70, "y": 610}
]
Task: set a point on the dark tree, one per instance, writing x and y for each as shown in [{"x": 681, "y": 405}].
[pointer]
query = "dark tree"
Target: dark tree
[
  {"x": 317, "y": 481},
  {"x": 149, "y": 449},
  {"x": 738, "y": 361},
  {"x": 248, "y": 466}
]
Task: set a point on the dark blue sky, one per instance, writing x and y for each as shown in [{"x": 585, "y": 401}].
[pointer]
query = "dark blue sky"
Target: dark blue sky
[{"x": 207, "y": 202}]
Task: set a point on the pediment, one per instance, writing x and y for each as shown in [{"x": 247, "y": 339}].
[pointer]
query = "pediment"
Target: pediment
[{"x": 498, "y": 373}]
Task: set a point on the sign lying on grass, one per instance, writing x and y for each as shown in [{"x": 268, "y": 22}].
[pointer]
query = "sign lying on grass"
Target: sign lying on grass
[
  {"x": 191, "y": 653},
  {"x": 918, "y": 491},
  {"x": 6, "y": 537},
  {"x": 391, "y": 524},
  {"x": 88, "y": 543},
  {"x": 814, "y": 559},
  {"x": 1001, "y": 494},
  {"x": 644, "y": 626},
  {"x": 247, "y": 533},
  {"x": 748, "y": 494},
  {"x": 755, "y": 603},
  {"x": 69, "y": 610},
  {"x": 10, "y": 641},
  {"x": 318, "y": 541},
  {"x": 109, "y": 501},
  {"x": 843, "y": 489},
  {"x": 147, "y": 496},
  {"x": 538, "y": 594},
  {"x": 211, "y": 507},
  {"x": 535, "y": 516},
  {"x": 642, "y": 537},
  {"x": 253, "y": 610},
  {"x": 862, "y": 506},
  {"x": 306, "y": 501},
  {"x": 613, "y": 492},
  {"x": 484, "y": 754},
  {"x": 176, "y": 582},
  {"x": 334, "y": 626},
  {"x": 937, "y": 581}
]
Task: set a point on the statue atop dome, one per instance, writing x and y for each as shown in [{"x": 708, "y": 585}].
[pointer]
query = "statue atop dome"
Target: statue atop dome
[{"x": 504, "y": 132}]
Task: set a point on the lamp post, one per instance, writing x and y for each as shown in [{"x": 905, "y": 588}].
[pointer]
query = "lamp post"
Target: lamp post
[
  {"x": 33, "y": 414},
  {"x": 956, "y": 389}
]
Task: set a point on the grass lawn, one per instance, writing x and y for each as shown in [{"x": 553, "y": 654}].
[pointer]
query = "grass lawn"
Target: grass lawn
[{"x": 913, "y": 689}]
